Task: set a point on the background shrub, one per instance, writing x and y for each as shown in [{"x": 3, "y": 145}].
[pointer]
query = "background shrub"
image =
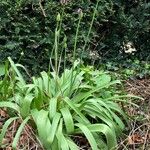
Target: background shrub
[{"x": 27, "y": 27}]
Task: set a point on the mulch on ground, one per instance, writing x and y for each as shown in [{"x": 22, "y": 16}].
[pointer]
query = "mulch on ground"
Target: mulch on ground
[
  {"x": 27, "y": 140},
  {"x": 137, "y": 136}
]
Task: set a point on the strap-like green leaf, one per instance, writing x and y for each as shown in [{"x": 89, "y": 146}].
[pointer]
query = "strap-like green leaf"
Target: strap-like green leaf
[
  {"x": 5, "y": 126},
  {"x": 89, "y": 93},
  {"x": 110, "y": 136},
  {"x": 25, "y": 105},
  {"x": 88, "y": 135},
  {"x": 16, "y": 138},
  {"x": 53, "y": 129},
  {"x": 62, "y": 141},
  {"x": 43, "y": 126},
  {"x": 52, "y": 107},
  {"x": 10, "y": 105},
  {"x": 2, "y": 69},
  {"x": 68, "y": 119},
  {"x": 99, "y": 105},
  {"x": 115, "y": 107},
  {"x": 109, "y": 111},
  {"x": 92, "y": 111},
  {"x": 70, "y": 103},
  {"x": 72, "y": 145},
  {"x": 20, "y": 77},
  {"x": 58, "y": 134},
  {"x": 118, "y": 120}
]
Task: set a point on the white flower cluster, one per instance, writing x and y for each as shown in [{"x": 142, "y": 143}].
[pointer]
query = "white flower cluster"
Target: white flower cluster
[
  {"x": 94, "y": 55},
  {"x": 64, "y": 1},
  {"x": 129, "y": 48}
]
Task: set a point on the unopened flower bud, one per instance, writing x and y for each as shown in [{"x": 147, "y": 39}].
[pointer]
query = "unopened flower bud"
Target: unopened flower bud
[
  {"x": 65, "y": 45},
  {"x": 80, "y": 12},
  {"x": 65, "y": 39},
  {"x": 58, "y": 17},
  {"x": 22, "y": 53}
]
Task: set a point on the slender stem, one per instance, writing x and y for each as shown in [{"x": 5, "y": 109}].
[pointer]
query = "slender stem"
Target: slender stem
[
  {"x": 56, "y": 50},
  {"x": 65, "y": 46},
  {"x": 74, "y": 52},
  {"x": 91, "y": 24},
  {"x": 76, "y": 39},
  {"x": 50, "y": 64},
  {"x": 60, "y": 26}
]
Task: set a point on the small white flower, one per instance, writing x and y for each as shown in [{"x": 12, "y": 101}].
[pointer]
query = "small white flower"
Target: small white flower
[
  {"x": 94, "y": 55},
  {"x": 129, "y": 48},
  {"x": 64, "y": 1},
  {"x": 22, "y": 53}
]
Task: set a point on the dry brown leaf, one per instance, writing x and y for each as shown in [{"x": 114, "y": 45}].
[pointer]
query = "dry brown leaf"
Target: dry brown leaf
[
  {"x": 135, "y": 139},
  {"x": 5, "y": 141},
  {"x": 3, "y": 113}
]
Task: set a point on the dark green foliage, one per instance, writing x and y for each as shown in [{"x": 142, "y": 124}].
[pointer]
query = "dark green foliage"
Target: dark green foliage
[{"x": 24, "y": 28}]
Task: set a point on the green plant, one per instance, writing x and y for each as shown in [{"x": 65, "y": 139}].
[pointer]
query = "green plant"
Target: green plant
[{"x": 60, "y": 112}]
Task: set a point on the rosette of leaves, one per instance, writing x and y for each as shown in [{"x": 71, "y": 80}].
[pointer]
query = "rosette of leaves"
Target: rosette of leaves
[{"x": 64, "y": 105}]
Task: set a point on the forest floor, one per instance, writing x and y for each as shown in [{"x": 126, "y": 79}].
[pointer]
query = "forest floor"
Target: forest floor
[{"x": 135, "y": 137}]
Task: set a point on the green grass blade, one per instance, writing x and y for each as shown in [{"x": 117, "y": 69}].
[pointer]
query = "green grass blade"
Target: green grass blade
[
  {"x": 54, "y": 145},
  {"x": 97, "y": 114},
  {"x": 45, "y": 78},
  {"x": 68, "y": 119},
  {"x": 109, "y": 111},
  {"x": 118, "y": 120},
  {"x": 2, "y": 70},
  {"x": 29, "y": 87},
  {"x": 20, "y": 129},
  {"x": 115, "y": 107},
  {"x": 10, "y": 105},
  {"x": 119, "y": 99},
  {"x": 77, "y": 98},
  {"x": 62, "y": 141},
  {"x": 88, "y": 135},
  {"x": 53, "y": 129},
  {"x": 58, "y": 134},
  {"x": 109, "y": 134},
  {"x": 25, "y": 105},
  {"x": 21, "y": 66},
  {"x": 99, "y": 105},
  {"x": 72, "y": 145},
  {"x": 52, "y": 107},
  {"x": 70, "y": 103},
  {"x": 17, "y": 71},
  {"x": 88, "y": 94},
  {"x": 43, "y": 126},
  {"x": 5, "y": 126}
]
